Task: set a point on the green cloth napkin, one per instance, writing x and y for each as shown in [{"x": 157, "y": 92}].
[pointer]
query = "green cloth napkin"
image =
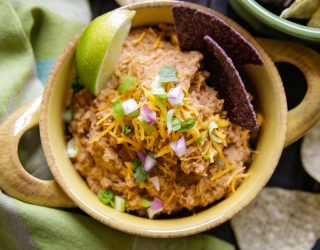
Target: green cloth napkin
[{"x": 32, "y": 34}]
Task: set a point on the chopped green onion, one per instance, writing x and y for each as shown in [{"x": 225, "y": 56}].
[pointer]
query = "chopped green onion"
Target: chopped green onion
[
  {"x": 127, "y": 83},
  {"x": 163, "y": 97},
  {"x": 212, "y": 126},
  {"x": 145, "y": 203},
  {"x": 117, "y": 111},
  {"x": 72, "y": 148},
  {"x": 112, "y": 203},
  {"x": 67, "y": 116},
  {"x": 168, "y": 74},
  {"x": 206, "y": 157},
  {"x": 176, "y": 124},
  {"x": 199, "y": 139},
  {"x": 76, "y": 85},
  {"x": 216, "y": 138},
  {"x": 140, "y": 175},
  {"x": 120, "y": 204},
  {"x": 187, "y": 125},
  {"x": 161, "y": 105},
  {"x": 211, "y": 155},
  {"x": 134, "y": 113},
  {"x": 130, "y": 107},
  {"x": 157, "y": 87},
  {"x": 127, "y": 129},
  {"x": 105, "y": 196},
  {"x": 183, "y": 126}
]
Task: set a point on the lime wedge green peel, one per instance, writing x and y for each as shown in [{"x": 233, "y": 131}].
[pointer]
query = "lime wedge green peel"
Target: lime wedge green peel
[{"x": 99, "y": 48}]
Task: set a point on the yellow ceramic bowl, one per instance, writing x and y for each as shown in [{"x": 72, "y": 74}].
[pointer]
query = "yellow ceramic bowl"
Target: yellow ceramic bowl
[{"x": 271, "y": 102}]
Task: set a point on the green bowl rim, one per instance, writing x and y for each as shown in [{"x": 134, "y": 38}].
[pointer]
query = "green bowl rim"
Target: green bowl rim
[{"x": 279, "y": 23}]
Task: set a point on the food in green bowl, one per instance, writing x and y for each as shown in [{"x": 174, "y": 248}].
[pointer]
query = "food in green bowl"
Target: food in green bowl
[
  {"x": 301, "y": 11},
  {"x": 265, "y": 19}
]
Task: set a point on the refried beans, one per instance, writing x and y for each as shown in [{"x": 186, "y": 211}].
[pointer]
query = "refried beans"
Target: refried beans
[{"x": 216, "y": 153}]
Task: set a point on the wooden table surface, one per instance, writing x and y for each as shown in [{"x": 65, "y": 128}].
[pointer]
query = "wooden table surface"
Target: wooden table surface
[{"x": 289, "y": 173}]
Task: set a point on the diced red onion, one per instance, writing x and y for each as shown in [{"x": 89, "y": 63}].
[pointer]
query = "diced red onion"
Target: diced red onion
[
  {"x": 147, "y": 160},
  {"x": 169, "y": 120},
  {"x": 149, "y": 163},
  {"x": 157, "y": 204},
  {"x": 179, "y": 146},
  {"x": 176, "y": 95},
  {"x": 142, "y": 155},
  {"x": 156, "y": 207},
  {"x": 129, "y": 106},
  {"x": 147, "y": 115},
  {"x": 155, "y": 182}
]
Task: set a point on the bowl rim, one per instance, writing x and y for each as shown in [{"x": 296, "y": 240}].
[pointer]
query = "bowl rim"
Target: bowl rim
[
  {"x": 279, "y": 23},
  {"x": 172, "y": 231}
]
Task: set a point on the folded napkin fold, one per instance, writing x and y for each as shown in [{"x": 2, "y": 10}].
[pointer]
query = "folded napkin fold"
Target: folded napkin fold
[{"x": 32, "y": 34}]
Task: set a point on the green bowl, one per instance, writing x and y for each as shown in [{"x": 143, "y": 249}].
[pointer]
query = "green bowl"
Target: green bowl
[{"x": 265, "y": 22}]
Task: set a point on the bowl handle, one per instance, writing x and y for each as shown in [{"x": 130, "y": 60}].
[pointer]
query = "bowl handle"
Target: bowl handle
[
  {"x": 307, "y": 113},
  {"x": 14, "y": 179}
]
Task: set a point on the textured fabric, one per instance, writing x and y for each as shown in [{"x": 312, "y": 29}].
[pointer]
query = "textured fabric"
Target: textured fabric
[
  {"x": 26, "y": 226},
  {"x": 32, "y": 34}
]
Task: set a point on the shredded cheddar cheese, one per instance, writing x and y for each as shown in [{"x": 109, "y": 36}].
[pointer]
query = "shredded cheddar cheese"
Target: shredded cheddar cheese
[
  {"x": 103, "y": 119},
  {"x": 158, "y": 140},
  {"x": 157, "y": 42},
  {"x": 139, "y": 39},
  {"x": 165, "y": 150},
  {"x": 236, "y": 178},
  {"x": 108, "y": 129},
  {"x": 170, "y": 198},
  {"x": 129, "y": 169}
]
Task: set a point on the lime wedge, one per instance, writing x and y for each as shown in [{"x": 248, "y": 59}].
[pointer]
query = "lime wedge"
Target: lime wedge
[{"x": 99, "y": 48}]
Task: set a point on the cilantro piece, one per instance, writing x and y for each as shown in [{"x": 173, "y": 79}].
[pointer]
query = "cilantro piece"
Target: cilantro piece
[
  {"x": 145, "y": 203},
  {"x": 105, "y": 196},
  {"x": 127, "y": 129},
  {"x": 199, "y": 139},
  {"x": 168, "y": 74},
  {"x": 206, "y": 157},
  {"x": 127, "y": 83},
  {"x": 76, "y": 85},
  {"x": 136, "y": 164},
  {"x": 140, "y": 175},
  {"x": 117, "y": 111},
  {"x": 187, "y": 125}
]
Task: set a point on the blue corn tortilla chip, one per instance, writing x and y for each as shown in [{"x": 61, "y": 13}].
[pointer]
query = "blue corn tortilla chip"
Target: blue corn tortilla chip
[
  {"x": 230, "y": 86},
  {"x": 192, "y": 25}
]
